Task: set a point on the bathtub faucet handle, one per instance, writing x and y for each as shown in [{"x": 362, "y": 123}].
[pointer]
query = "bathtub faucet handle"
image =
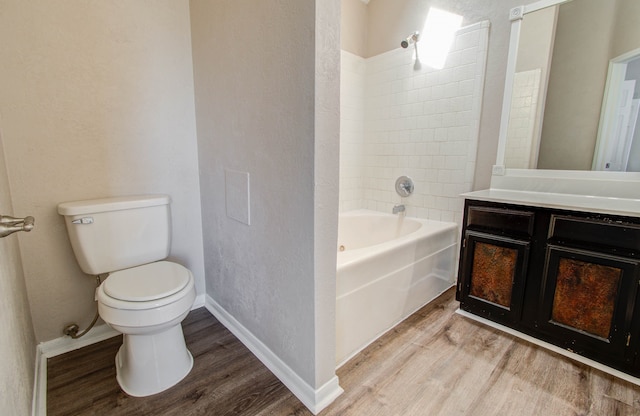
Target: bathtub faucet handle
[
  {"x": 398, "y": 208},
  {"x": 404, "y": 186}
]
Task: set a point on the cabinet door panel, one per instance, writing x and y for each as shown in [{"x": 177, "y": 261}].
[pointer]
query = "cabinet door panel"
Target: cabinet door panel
[
  {"x": 585, "y": 296},
  {"x": 493, "y": 272},
  {"x": 587, "y": 301},
  {"x": 492, "y": 279}
]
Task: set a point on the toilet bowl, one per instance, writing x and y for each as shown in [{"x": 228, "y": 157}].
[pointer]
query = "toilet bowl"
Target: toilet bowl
[
  {"x": 146, "y": 304},
  {"x": 144, "y": 296}
]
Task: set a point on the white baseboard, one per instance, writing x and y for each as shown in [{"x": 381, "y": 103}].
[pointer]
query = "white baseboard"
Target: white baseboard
[
  {"x": 314, "y": 399},
  {"x": 323, "y": 396},
  {"x": 55, "y": 347},
  {"x": 199, "y": 302},
  {"x": 66, "y": 344},
  {"x": 551, "y": 347},
  {"x": 39, "y": 402}
]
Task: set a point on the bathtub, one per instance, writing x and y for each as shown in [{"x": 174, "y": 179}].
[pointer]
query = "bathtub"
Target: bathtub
[{"x": 388, "y": 267}]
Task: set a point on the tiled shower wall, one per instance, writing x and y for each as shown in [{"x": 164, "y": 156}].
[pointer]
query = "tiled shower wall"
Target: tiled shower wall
[
  {"x": 522, "y": 120},
  {"x": 352, "y": 98},
  {"x": 418, "y": 122}
]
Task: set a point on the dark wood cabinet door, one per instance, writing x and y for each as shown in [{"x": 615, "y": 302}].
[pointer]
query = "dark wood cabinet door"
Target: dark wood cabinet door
[
  {"x": 492, "y": 276},
  {"x": 587, "y": 302}
]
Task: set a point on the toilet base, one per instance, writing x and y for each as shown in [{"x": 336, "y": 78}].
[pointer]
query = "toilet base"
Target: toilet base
[{"x": 149, "y": 364}]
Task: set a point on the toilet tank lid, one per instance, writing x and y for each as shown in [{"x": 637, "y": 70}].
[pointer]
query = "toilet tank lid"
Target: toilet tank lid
[{"x": 94, "y": 206}]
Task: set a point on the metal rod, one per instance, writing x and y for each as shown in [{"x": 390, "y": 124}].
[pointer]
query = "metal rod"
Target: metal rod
[
  {"x": 73, "y": 330},
  {"x": 10, "y": 225}
]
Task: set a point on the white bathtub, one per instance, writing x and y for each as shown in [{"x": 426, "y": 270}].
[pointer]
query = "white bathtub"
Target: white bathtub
[{"x": 388, "y": 267}]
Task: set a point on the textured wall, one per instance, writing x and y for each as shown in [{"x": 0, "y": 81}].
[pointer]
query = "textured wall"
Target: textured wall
[
  {"x": 325, "y": 178},
  {"x": 17, "y": 345},
  {"x": 254, "y": 79},
  {"x": 97, "y": 100}
]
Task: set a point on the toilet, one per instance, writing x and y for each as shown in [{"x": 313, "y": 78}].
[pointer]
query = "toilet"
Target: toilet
[{"x": 144, "y": 296}]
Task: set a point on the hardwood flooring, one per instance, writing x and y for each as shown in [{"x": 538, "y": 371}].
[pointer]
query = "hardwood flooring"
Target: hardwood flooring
[{"x": 433, "y": 363}]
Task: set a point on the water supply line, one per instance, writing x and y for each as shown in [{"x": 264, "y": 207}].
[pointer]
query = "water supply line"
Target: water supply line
[{"x": 73, "y": 330}]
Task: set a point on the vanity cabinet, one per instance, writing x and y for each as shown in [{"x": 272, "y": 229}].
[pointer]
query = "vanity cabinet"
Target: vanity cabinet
[{"x": 568, "y": 278}]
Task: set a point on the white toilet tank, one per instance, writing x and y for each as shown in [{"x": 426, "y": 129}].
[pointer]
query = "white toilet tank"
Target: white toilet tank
[{"x": 117, "y": 233}]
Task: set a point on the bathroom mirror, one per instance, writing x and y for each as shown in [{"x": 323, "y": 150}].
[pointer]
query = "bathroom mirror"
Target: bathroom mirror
[{"x": 570, "y": 64}]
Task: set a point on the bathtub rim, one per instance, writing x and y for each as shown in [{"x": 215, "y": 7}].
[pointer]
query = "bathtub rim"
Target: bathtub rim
[{"x": 428, "y": 228}]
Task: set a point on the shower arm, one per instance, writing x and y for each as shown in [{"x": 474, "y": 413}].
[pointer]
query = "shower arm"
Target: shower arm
[{"x": 411, "y": 39}]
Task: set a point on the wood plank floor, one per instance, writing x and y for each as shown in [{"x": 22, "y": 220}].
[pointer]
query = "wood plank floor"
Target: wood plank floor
[{"x": 433, "y": 363}]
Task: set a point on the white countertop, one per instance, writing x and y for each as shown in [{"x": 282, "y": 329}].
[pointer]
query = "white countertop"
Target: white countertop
[{"x": 599, "y": 204}]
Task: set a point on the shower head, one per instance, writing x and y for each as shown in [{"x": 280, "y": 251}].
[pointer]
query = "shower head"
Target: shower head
[{"x": 412, "y": 38}]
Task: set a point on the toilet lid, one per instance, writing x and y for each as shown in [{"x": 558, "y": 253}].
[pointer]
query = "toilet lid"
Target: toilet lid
[{"x": 147, "y": 282}]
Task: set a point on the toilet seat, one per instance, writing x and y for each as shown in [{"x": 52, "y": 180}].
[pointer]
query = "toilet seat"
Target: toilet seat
[
  {"x": 148, "y": 286},
  {"x": 147, "y": 282}
]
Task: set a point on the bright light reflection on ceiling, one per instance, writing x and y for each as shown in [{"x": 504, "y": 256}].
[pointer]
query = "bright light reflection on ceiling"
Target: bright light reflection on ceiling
[{"x": 436, "y": 38}]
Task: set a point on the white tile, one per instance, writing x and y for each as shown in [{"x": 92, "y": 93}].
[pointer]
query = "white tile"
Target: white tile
[
  {"x": 447, "y": 216},
  {"x": 441, "y": 134},
  {"x": 416, "y": 123},
  {"x": 443, "y": 176}
]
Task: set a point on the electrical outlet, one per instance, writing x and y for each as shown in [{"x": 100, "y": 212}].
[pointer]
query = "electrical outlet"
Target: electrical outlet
[{"x": 498, "y": 170}]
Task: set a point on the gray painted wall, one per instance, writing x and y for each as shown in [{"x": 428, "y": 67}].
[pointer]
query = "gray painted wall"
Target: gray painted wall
[{"x": 255, "y": 81}]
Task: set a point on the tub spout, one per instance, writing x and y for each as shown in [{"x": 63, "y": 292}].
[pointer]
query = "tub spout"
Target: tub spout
[{"x": 398, "y": 208}]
